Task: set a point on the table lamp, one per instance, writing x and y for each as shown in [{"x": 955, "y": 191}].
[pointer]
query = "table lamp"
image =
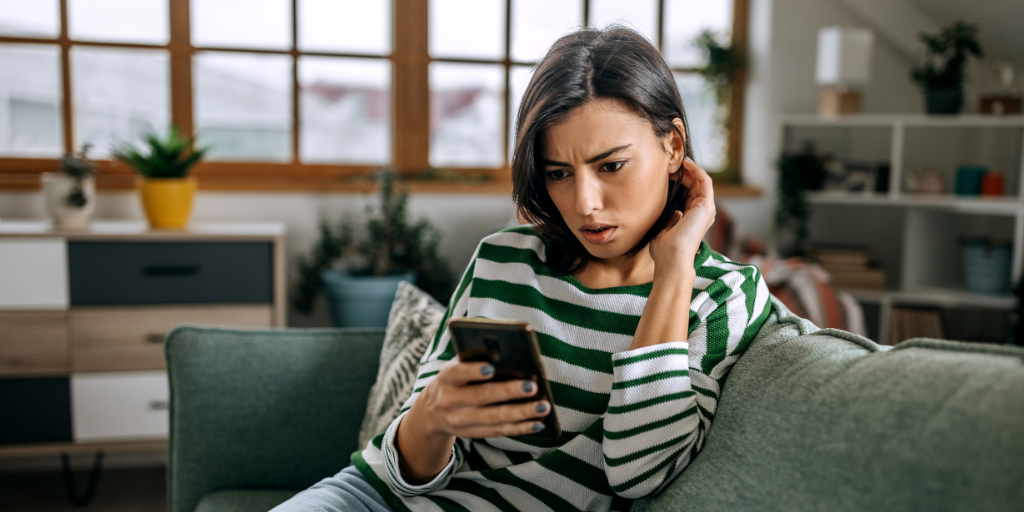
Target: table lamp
[{"x": 844, "y": 63}]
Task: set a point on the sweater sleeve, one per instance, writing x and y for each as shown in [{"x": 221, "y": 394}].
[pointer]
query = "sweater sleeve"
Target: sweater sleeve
[
  {"x": 664, "y": 396},
  {"x": 440, "y": 351}
]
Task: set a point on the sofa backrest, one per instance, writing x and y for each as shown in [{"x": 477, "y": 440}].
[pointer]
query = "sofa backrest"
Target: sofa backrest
[
  {"x": 825, "y": 420},
  {"x": 270, "y": 409}
]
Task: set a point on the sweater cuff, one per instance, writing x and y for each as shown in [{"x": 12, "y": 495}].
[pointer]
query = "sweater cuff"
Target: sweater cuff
[{"x": 391, "y": 463}]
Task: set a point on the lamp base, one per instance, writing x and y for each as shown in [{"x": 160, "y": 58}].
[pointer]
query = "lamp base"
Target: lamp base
[{"x": 835, "y": 102}]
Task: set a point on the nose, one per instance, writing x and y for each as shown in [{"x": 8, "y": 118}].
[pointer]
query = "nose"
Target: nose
[{"x": 588, "y": 194}]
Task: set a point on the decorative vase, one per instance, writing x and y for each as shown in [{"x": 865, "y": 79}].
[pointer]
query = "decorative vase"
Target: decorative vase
[
  {"x": 167, "y": 201},
  {"x": 361, "y": 300},
  {"x": 68, "y": 213},
  {"x": 944, "y": 100}
]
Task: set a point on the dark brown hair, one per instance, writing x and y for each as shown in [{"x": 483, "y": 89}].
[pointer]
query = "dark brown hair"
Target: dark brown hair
[{"x": 587, "y": 65}]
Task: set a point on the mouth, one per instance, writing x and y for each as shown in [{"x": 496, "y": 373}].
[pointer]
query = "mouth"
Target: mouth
[{"x": 598, "y": 234}]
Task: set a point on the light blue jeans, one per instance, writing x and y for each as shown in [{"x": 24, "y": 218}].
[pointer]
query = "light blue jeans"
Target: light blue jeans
[{"x": 345, "y": 492}]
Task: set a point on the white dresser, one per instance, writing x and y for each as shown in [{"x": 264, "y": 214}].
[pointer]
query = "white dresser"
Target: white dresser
[{"x": 83, "y": 315}]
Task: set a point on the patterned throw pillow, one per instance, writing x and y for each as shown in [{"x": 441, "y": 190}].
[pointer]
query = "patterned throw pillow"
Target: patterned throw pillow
[{"x": 415, "y": 318}]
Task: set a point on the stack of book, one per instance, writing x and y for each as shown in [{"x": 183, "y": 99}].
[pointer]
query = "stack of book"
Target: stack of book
[
  {"x": 851, "y": 267},
  {"x": 906, "y": 323}
]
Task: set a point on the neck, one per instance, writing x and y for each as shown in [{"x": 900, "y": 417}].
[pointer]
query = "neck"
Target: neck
[{"x": 618, "y": 271}]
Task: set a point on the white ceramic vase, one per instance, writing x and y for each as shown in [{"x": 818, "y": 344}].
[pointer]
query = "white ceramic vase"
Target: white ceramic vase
[{"x": 56, "y": 189}]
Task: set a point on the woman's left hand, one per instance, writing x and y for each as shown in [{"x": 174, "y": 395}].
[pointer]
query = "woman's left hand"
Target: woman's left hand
[{"x": 678, "y": 243}]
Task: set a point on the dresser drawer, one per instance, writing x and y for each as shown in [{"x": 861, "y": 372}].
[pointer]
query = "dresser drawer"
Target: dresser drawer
[
  {"x": 126, "y": 273},
  {"x": 131, "y": 338},
  {"x": 119, "y": 406},
  {"x": 33, "y": 342},
  {"x": 35, "y": 410},
  {"x": 33, "y": 273}
]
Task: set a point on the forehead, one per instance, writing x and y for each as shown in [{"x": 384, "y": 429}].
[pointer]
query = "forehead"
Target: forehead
[{"x": 594, "y": 127}]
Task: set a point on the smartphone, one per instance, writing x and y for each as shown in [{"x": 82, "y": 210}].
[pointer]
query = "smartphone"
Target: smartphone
[{"x": 511, "y": 347}]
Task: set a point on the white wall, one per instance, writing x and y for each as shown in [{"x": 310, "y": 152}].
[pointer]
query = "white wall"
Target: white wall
[{"x": 462, "y": 219}]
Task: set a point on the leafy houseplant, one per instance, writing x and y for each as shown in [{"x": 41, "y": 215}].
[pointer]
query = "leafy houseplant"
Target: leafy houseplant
[
  {"x": 942, "y": 72},
  {"x": 387, "y": 248},
  {"x": 798, "y": 173},
  {"x": 723, "y": 62},
  {"x": 71, "y": 194},
  {"x": 166, "y": 188}
]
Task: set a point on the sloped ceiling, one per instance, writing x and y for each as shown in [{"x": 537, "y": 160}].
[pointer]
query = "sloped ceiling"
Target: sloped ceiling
[{"x": 1000, "y": 23}]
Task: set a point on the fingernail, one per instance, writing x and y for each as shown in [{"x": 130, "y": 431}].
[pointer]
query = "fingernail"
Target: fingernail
[
  {"x": 537, "y": 427},
  {"x": 486, "y": 370},
  {"x": 528, "y": 386},
  {"x": 542, "y": 407}
]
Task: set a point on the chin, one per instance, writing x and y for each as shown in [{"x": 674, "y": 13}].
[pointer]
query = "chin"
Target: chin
[{"x": 612, "y": 249}]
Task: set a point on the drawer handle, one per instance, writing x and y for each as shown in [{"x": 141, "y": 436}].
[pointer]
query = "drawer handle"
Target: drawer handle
[
  {"x": 155, "y": 337},
  {"x": 170, "y": 270},
  {"x": 159, "y": 405}
]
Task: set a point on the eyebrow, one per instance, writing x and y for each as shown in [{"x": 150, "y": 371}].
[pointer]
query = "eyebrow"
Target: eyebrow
[{"x": 590, "y": 160}]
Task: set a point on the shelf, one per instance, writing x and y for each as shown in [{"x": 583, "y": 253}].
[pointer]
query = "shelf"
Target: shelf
[
  {"x": 935, "y": 297},
  {"x": 984, "y": 205},
  {"x": 888, "y": 120}
]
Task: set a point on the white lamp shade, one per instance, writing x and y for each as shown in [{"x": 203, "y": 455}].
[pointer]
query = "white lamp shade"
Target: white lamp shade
[{"x": 844, "y": 56}]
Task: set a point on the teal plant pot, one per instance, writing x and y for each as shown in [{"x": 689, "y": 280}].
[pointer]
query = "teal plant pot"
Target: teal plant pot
[
  {"x": 987, "y": 267},
  {"x": 361, "y": 300}
]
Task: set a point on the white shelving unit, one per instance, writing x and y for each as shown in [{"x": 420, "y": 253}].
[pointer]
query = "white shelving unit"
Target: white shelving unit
[{"x": 916, "y": 235}]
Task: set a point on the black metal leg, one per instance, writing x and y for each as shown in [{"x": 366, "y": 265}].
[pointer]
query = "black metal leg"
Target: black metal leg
[{"x": 90, "y": 486}]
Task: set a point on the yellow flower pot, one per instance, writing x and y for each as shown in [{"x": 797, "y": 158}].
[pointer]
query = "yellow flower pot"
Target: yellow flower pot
[{"x": 167, "y": 201}]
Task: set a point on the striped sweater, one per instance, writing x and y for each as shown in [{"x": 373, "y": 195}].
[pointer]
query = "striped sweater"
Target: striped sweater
[{"x": 632, "y": 419}]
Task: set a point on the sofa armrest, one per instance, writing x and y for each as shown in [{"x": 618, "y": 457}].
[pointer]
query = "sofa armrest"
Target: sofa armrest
[{"x": 271, "y": 409}]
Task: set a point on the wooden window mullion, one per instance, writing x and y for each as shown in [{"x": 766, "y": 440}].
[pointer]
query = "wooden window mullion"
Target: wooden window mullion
[
  {"x": 734, "y": 155},
  {"x": 67, "y": 104},
  {"x": 296, "y": 115},
  {"x": 410, "y": 86},
  {"x": 181, "y": 50}
]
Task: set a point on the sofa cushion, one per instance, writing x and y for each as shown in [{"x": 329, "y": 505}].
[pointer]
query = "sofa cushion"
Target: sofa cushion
[
  {"x": 826, "y": 420},
  {"x": 242, "y": 500},
  {"x": 414, "y": 319}
]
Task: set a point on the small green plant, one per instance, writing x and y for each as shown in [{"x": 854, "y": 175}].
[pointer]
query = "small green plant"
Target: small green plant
[
  {"x": 170, "y": 157},
  {"x": 723, "y": 62},
  {"x": 79, "y": 168},
  {"x": 798, "y": 173},
  {"x": 946, "y": 53},
  {"x": 388, "y": 241}
]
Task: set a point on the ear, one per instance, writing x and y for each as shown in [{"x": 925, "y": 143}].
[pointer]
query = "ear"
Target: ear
[{"x": 676, "y": 146}]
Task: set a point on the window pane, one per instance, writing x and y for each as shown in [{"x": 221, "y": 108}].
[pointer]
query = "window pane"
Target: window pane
[
  {"x": 30, "y": 100},
  {"x": 242, "y": 23},
  {"x": 684, "y": 19},
  {"x": 119, "y": 96},
  {"x": 707, "y": 135},
  {"x": 467, "y": 28},
  {"x": 639, "y": 15},
  {"x": 132, "y": 21},
  {"x": 37, "y": 18},
  {"x": 347, "y": 26},
  {"x": 536, "y": 24},
  {"x": 519, "y": 79},
  {"x": 243, "y": 107},
  {"x": 345, "y": 110},
  {"x": 466, "y": 104}
]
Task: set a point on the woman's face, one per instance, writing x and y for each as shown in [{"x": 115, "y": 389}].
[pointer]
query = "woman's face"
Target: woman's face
[{"x": 607, "y": 173}]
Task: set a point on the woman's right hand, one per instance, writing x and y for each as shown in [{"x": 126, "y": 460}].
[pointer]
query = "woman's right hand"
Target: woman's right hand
[{"x": 458, "y": 404}]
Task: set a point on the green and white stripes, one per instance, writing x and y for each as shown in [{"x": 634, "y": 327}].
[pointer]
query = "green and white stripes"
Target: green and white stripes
[{"x": 631, "y": 419}]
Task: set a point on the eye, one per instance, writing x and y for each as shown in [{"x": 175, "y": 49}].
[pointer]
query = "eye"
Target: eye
[
  {"x": 613, "y": 166},
  {"x": 556, "y": 175}
]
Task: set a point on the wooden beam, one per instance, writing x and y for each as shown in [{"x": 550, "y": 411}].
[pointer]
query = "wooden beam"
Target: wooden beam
[
  {"x": 65, "y": 78},
  {"x": 180, "y": 47},
  {"x": 410, "y": 87},
  {"x": 740, "y": 15}
]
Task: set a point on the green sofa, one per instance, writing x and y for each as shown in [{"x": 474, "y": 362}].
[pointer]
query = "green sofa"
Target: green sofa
[{"x": 808, "y": 420}]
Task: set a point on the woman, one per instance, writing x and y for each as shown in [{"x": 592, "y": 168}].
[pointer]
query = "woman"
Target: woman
[{"x": 638, "y": 320}]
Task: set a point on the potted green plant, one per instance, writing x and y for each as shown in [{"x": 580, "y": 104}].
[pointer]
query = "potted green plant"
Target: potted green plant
[
  {"x": 166, "y": 188},
  {"x": 722, "y": 63},
  {"x": 942, "y": 71},
  {"x": 799, "y": 172},
  {"x": 359, "y": 267},
  {"x": 70, "y": 194}
]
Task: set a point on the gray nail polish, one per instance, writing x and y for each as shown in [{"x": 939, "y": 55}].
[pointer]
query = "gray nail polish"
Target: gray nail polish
[
  {"x": 486, "y": 370},
  {"x": 537, "y": 427},
  {"x": 542, "y": 407},
  {"x": 528, "y": 386}
]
